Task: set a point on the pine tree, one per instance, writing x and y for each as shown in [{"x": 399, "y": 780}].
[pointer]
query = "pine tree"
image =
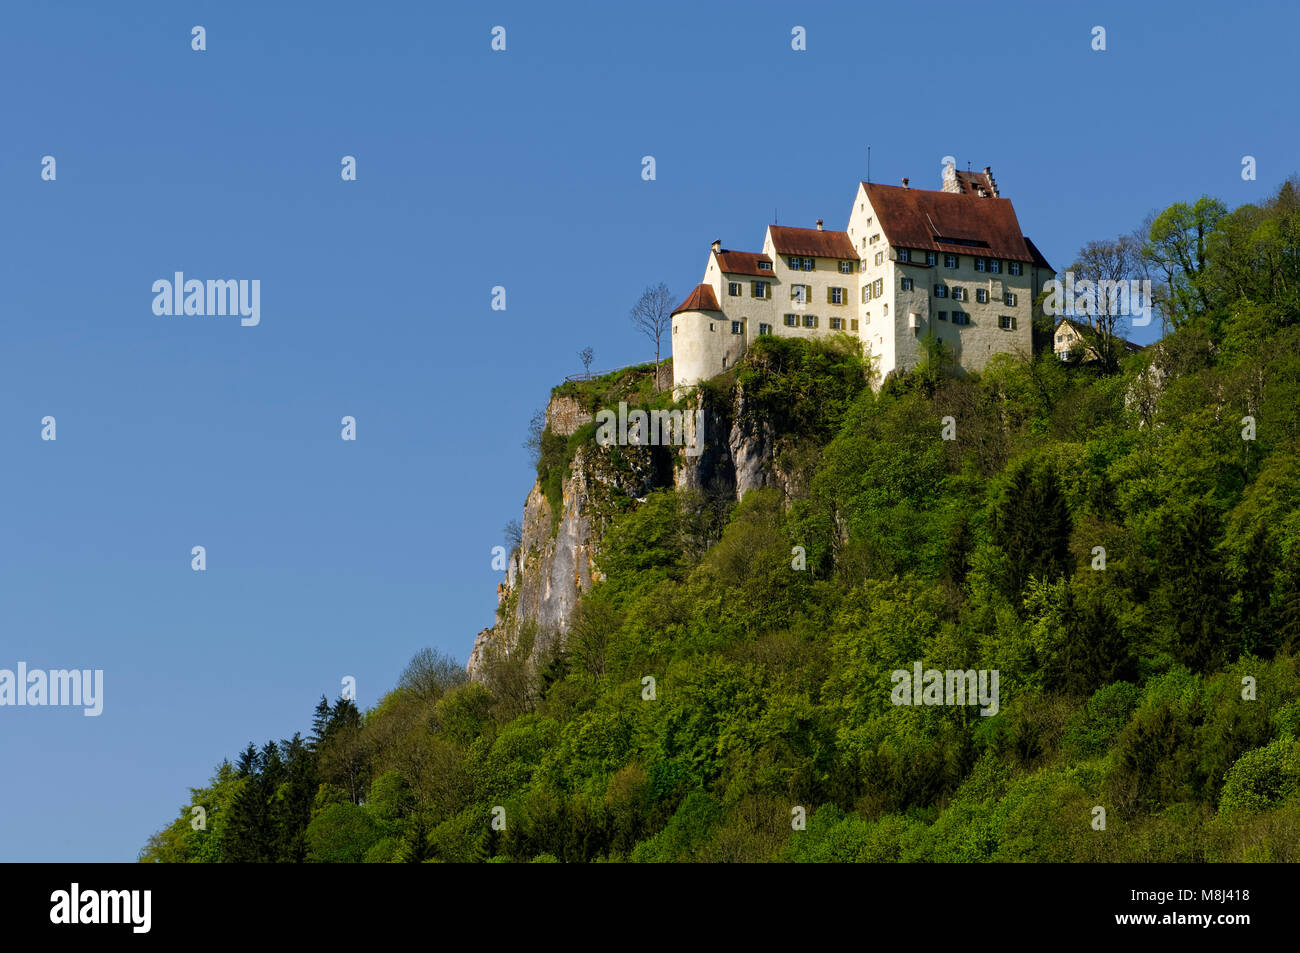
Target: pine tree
[
  {"x": 320, "y": 723},
  {"x": 291, "y": 807},
  {"x": 246, "y": 830},
  {"x": 1032, "y": 526}
]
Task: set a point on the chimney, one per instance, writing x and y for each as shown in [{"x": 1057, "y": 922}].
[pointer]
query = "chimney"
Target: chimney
[
  {"x": 717, "y": 245},
  {"x": 905, "y": 185},
  {"x": 819, "y": 224}
]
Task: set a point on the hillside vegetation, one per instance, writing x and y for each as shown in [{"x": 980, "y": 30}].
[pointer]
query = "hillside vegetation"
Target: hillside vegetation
[{"x": 1164, "y": 687}]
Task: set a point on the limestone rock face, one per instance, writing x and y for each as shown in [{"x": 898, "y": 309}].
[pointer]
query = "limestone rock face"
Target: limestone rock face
[
  {"x": 564, "y": 415},
  {"x": 552, "y": 568},
  {"x": 556, "y": 561},
  {"x": 751, "y": 442},
  {"x": 740, "y": 451},
  {"x": 713, "y": 468}
]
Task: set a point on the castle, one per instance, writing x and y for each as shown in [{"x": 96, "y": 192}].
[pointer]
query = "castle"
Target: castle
[{"x": 912, "y": 261}]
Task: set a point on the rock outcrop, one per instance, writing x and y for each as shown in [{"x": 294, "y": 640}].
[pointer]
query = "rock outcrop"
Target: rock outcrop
[{"x": 556, "y": 562}]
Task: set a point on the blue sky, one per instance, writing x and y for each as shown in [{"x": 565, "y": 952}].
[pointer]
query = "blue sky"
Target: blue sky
[{"x": 327, "y": 558}]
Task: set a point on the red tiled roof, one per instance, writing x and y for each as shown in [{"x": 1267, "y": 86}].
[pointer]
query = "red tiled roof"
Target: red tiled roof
[
  {"x": 701, "y": 299},
  {"x": 743, "y": 263},
  {"x": 813, "y": 242},
  {"x": 949, "y": 222}
]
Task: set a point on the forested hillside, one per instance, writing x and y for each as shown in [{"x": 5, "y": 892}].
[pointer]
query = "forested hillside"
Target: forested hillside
[{"x": 1118, "y": 538}]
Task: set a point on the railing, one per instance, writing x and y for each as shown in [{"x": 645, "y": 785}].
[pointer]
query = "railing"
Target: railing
[{"x": 591, "y": 376}]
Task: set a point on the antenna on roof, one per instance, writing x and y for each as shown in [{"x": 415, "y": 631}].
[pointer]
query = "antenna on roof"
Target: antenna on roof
[{"x": 775, "y": 220}]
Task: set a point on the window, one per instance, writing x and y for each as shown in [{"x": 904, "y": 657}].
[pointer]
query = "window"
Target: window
[
  {"x": 880, "y": 257},
  {"x": 853, "y": 324},
  {"x": 737, "y": 327},
  {"x": 810, "y": 264},
  {"x": 837, "y": 324},
  {"x": 886, "y": 311},
  {"x": 995, "y": 266},
  {"x": 733, "y": 288},
  {"x": 981, "y": 264},
  {"x": 710, "y": 325},
  {"x": 960, "y": 317},
  {"x": 950, "y": 261},
  {"x": 1006, "y": 322},
  {"x": 835, "y": 295},
  {"x": 791, "y": 320},
  {"x": 810, "y": 320},
  {"x": 943, "y": 315},
  {"x": 878, "y": 287},
  {"x": 799, "y": 293},
  {"x": 796, "y": 263},
  {"x": 959, "y": 294},
  {"x": 875, "y": 238},
  {"x": 907, "y": 284},
  {"x": 1010, "y": 299},
  {"x": 931, "y": 258},
  {"x": 846, "y": 268},
  {"x": 866, "y": 293},
  {"x": 1013, "y": 267},
  {"x": 982, "y": 295},
  {"x": 941, "y": 291},
  {"x": 764, "y": 330},
  {"x": 764, "y": 266},
  {"x": 905, "y": 254},
  {"x": 864, "y": 241},
  {"x": 724, "y": 360},
  {"x": 761, "y": 288}
]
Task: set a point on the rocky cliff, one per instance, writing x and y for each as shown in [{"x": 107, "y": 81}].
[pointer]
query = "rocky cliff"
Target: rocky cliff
[{"x": 556, "y": 561}]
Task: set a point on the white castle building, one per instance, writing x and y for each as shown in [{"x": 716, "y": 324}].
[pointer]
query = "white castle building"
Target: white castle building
[{"x": 953, "y": 262}]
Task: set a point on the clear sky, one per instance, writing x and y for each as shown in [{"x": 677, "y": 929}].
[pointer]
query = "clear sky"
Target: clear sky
[{"x": 475, "y": 168}]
